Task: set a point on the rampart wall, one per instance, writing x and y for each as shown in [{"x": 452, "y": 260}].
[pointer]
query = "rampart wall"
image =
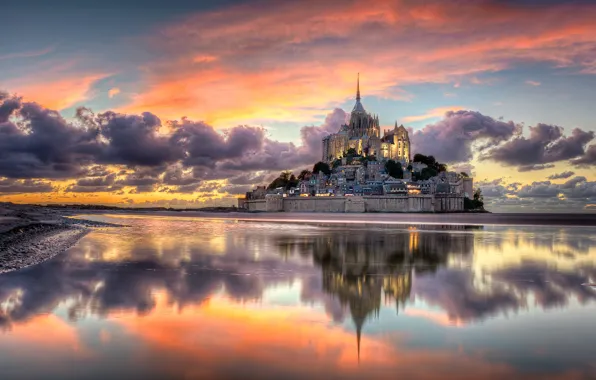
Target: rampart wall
[{"x": 415, "y": 203}]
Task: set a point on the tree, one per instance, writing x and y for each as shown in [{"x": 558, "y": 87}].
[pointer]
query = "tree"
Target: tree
[
  {"x": 477, "y": 203},
  {"x": 409, "y": 167},
  {"x": 478, "y": 197},
  {"x": 351, "y": 152},
  {"x": 285, "y": 180},
  {"x": 420, "y": 158},
  {"x": 304, "y": 174},
  {"x": 430, "y": 162},
  {"x": 321, "y": 167},
  {"x": 285, "y": 175},
  {"x": 427, "y": 173},
  {"x": 394, "y": 169}
]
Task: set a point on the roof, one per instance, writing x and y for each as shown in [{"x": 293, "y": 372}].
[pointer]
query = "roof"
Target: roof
[{"x": 358, "y": 107}]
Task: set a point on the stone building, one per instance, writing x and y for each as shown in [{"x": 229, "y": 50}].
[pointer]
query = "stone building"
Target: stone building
[{"x": 363, "y": 134}]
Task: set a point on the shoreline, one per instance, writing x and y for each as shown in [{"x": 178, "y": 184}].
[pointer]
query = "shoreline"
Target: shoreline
[
  {"x": 30, "y": 235},
  {"x": 463, "y": 218}
]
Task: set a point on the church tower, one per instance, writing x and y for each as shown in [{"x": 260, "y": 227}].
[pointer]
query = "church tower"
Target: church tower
[{"x": 362, "y": 123}]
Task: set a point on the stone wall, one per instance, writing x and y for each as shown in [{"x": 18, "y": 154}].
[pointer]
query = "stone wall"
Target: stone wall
[
  {"x": 314, "y": 204},
  {"x": 415, "y": 203},
  {"x": 448, "y": 203},
  {"x": 256, "y": 205}
]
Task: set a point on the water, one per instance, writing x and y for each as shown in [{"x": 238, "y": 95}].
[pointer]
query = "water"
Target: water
[{"x": 182, "y": 297}]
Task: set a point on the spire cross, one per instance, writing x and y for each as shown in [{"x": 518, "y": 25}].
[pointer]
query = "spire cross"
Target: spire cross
[{"x": 358, "y": 88}]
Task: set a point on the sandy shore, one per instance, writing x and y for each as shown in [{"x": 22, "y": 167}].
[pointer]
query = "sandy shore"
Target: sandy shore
[{"x": 30, "y": 234}]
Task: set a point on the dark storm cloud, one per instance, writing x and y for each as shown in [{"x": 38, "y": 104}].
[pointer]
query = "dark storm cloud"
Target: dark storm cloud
[
  {"x": 235, "y": 189},
  {"x": 527, "y": 168},
  {"x": 589, "y": 157},
  {"x": 185, "y": 189},
  {"x": 246, "y": 179},
  {"x": 454, "y": 291},
  {"x": 276, "y": 155},
  {"x": 14, "y": 186},
  {"x": 176, "y": 176},
  {"x": 546, "y": 144},
  {"x": 450, "y": 140},
  {"x": 543, "y": 189},
  {"x": 134, "y": 140},
  {"x": 205, "y": 146},
  {"x": 576, "y": 188},
  {"x": 549, "y": 288},
  {"x": 8, "y": 106},
  {"x": 42, "y": 144},
  {"x": 97, "y": 181},
  {"x": 562, "y": 175}
]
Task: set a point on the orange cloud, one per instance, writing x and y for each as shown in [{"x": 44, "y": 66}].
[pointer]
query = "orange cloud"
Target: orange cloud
[
  {"x": 34, "y": 334},
  {"x": 285, "y": 340},
  {"x": 434, "y": 113},
  {"x": 291, "y": 61},
  {"x": 60, "y": 93},
  {"x": 113, "y": 92},
  {"x": 533, "y": 83}
]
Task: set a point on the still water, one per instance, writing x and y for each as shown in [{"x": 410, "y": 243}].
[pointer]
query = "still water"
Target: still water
[{"x": 182, "y": 297}]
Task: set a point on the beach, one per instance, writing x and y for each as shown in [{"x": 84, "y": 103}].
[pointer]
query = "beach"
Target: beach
[{"x": 32, "y": 234}]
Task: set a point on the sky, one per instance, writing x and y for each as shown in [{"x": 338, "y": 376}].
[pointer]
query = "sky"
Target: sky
[{"x": 192, "y": 103}]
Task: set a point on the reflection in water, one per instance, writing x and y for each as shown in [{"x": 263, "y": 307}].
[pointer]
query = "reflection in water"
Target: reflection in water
[
  {"x": 362, "y": 268},
  {"x": 246, "y": 295}
]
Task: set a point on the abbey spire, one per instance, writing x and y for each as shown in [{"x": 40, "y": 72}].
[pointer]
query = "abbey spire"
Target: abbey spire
[
  {"x": 358, "y": 88},
  {"x": 363, "y": 134}
]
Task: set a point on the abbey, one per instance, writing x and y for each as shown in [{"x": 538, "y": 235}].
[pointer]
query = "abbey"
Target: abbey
[{"x": 363, "y": 134}]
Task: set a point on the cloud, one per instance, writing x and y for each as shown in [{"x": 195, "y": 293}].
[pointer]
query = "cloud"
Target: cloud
[
  {"x": 576, "y": 188},
  {"x": 205, "y": 146},
  {"x": 451, "y": 139},
  {"x": 42, "y": 144},
  {"x": 587, "y": 159},
  {"x": 275, "y": 155},
  {"x": 563, "y": 175},
  {"x": 543, "y": 189},
  {"x": 546, "y": 144},
  {"x": 134, "y": 140},
  {"x": 314, "y": 49},
  {"x": 24, "y": 186},
  {"x": 434, "y": 113},
  {"x": 533, "y": 83},
  {"x": 528, "y": 168},
  {"x": 113, "y": 92},
  {"x": 464, "y": 167},
  {"x": 26, "y": 54},
  {"x": 56, "y": 91}
]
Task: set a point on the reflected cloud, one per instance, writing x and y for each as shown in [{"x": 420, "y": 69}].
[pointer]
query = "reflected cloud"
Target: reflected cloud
[{"x": 306, "y": 290}]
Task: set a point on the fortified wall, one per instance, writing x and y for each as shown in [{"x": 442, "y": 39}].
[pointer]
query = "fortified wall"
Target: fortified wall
[{"x": 416, "y": 203}]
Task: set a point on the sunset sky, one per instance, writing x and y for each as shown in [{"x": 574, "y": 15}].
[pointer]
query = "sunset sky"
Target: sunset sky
[{"x": 191, "y": 103}]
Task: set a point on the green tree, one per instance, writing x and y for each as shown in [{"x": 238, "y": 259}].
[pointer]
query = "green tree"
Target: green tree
[
  {"x": 477, "y": 203},
  {"x": 427, "y": 173},
  {"x": 394, "y": 169},
  {"x": 430, "y": 162},
  {"x": 304, "y": 174},
  {"x": 286, "y": 180},
  {"x": 321, "y": 167}
]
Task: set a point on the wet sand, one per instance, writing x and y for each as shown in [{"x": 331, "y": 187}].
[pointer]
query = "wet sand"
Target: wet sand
[{"x": 30, "y": 235}]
